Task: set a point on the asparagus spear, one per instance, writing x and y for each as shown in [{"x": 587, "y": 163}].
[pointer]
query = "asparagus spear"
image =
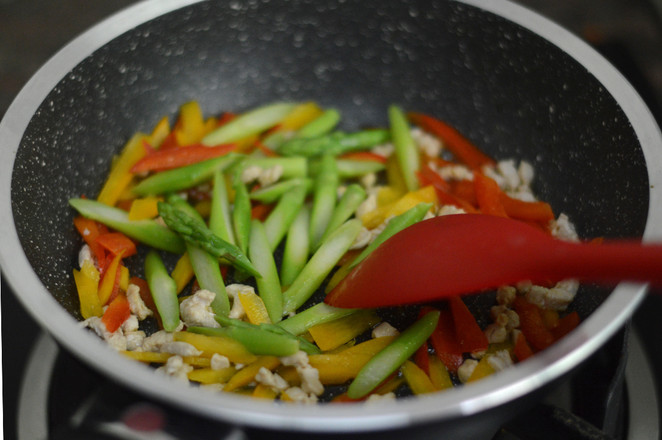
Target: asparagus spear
[
  {"x": 196, "y": 232},
  {"x": 263, "y": 259},
  {"x": 335, "y": 143},
  {"x": 163, "y": 289},
  {"x": 405, "y": 148},
  {"x": 324, "y": 199},
  {"x": 297, "y": 248},
  {"x": 149, "y": 232},
  {"x": 353, "y": 196}
]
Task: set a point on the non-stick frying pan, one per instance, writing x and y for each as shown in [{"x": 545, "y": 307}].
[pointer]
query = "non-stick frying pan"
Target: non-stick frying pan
[{"x": 513, "y": 82}]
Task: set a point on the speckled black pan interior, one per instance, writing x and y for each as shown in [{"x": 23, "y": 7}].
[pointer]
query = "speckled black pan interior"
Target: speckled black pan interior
[{"x": 508, "y": 90}]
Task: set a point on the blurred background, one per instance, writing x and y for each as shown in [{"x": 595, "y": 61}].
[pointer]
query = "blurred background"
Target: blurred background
[{"x": 627, "y": 32}]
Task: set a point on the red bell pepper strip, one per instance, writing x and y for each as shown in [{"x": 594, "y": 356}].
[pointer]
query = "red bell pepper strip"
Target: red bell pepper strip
[
  {"x": 470, "y": 337},
  {"x": 260, "y": 211},
  {"x": 444, "y": 341},
  {"x": 465, "y": 151},
  {"x": 89, "y": 230},
  {"x": 166, "y": 159},
  {"x": 464, "y": 190},
  {"x": 169, "y": 142},
  {"x": 117, "y": 312},
  {"x": 521, "y": 349},
  {"x": 427, "y": 176},
  {"x": 532, "y": 325},
  {"x": 532, "y": 211},
  {"x": 268, "y": 152},
  {"x": 488, "y": 195},
  {"x": 422, "y": 358},
  {"x": 365, "y": 155},
  {"x": 565, "y": 325},
  {"x": 116, "y": 242},
  {"x": 110, "y": 280}
]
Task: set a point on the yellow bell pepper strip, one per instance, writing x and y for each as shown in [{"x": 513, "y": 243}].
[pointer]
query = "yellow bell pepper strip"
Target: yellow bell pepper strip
[
  {"x": 418, "y": 381},
  {"x": 297, "y": 247},
  {"x": 116, "y": 313},
  {"x": 184, "y": 177},
  {"x": 350, "y": 200},
  {"x": 209, "y": 376},
  {"x": 332, "y": 334},
  {"x": 110, "y": 279},
  {"x": 149, "y": 232},
  {"x": 406, "y": 150},
  {"x": 374, "y": 218},
  {"x": 183, "y": 272},
  {"x": 320, "y": 265},
  {"x": 314, "y": 315},
  {"x": 120, "y": 174},
  {"x": 194, "y": 231},
  {"x": 205, "y": 265},
  {"x": 439, "y": 374},
  {"x": 247, "y": 374},
  {"x": 282, "y": 216},
  {"x": 125, "y": 276},
  {"x": 338, "y": 368},
  {"x": 221, "y": 344},
  {"x": 395, "y": 225},
  {"x": 395, "y": 354},
  {"x": 264, "y": 392},
  {"x": 325, "y": 191},
  {"x": 159, "y": 133},
  {"x": 220, "y": 217},
  {"x": 87, "y": 282},
  {"x": 250, "y": 123},
  {"x": 256, "y": 312},
  {"x": 190, "y": 126},
  {"x": 144, "y": 208},
  {"x": 268, "y": 285},
  {"x": 394, "y": 175},
  {"x": 482, "y": 370},
  {"x": 164, "y": 290}
]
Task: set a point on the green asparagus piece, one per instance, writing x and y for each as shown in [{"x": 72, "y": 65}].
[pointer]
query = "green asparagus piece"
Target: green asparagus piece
[
  {"x": 163, "y": 289},
  {"x": 220, "y": 217},
  {"x": 281, "y": 217},
  {"x": 241, "y": 213},
  {"x": 324, "y": 199},
  {"x": 292, "y": 166},
  {"x": 205, "y": 266},
  {"x": 317, "y": 314},
  {"x": 273, "y": 192},
  {"x": 320, "y": 265},
  {"x": 321, "y": 125},
  {"x": 395, "y": 354},
  {"x": 255, "y": 339},
  {"x": 405, "y": 148},
  {"x": 349, "y": 169},
  {"x": 297, "y": 247},
  {"x": 335, "y": 143},
  {"x": 353, "y": 196},
  {"x": 196, "y": 232},
  {"x": 183, "y": 177},
  {"x": 395, "y": 225},
  {"x": 249, "y": 123},
  {"x": 149, "y": 232},
  {"x": 268, "y": 286}
]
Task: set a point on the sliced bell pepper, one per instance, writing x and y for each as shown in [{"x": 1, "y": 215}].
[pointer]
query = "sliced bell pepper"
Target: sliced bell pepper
[
  {"x": 254, "y": 307},
  {"x": 116, "y": 243},
  {"x": 465, "y": 151},
  {"x": 374, "y": 218},
  {"x": 87, "y": 282},
  {"x": 521, "y": 349},
  {"x": 482, "y": 370},
  {"x": 209, "y": 376},
  {"x": 89, "y": 230},
  {"x": 162, "y": 160},
  {"x": 333, "y": 334},
  {"x": 190, "y": 126},
  {"x": 365, "y": 155},
  {"x": 110, "y": 280},
  {"x": 422, "y": 358},
  {"x": 417, "y": 379},
  {"x": 427, "y": 176},
  {"x": 565, "y": 325},
  {"x": 120, "y": 174},
  {"x": 532, "y": 211},
  {"x": 183, "y": 272},
  {"x": 532, "y": 325},
  {"x": 439, "y": 374},
  {"x": 144, "y": 208},
  {"x": 488, "y": 195},
  {"x": 470, "y": 337},
  {"x": 223, "y": 345},
  {"x": 247, "y": 374},
  {"x": 444, "y": 341},
  {"x": 117, "y": 312},
  {"x": 464, "y": 190},
  {"x": 160, "y": 132},
  {"x": 301, "y": 115}
]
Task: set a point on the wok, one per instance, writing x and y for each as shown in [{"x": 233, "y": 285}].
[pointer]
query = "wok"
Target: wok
[{"x": 515, "y": 83}]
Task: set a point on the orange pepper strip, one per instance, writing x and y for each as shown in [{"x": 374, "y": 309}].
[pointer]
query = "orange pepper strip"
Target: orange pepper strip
[
  {"x": 488, "y": 195},
  {"x": 532, "y": 325},
  {"x": 465, "y": 151},
  {"x": 116, "y": 243},
  {"x": 469, "y": 335},
  {"x": 521, "y": 349},
  {"x": 110, "y": 280},
  {"x": 166, "y": 159},
  {"x": 565, "y": 325},
  {"x": 117, "y": 312},
  {"x": 89, "y": 230},
  {"x": 365, "y": 155},
  {"x": 531, "y": 211}
]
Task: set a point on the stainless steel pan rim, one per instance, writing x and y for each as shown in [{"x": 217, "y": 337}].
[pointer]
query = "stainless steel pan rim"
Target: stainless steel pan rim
[{"x": 467, "y": 400}]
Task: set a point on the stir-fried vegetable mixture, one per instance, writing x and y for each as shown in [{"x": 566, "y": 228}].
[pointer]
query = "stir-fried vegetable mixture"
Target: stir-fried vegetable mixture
[{"x": 239, "y": 225}]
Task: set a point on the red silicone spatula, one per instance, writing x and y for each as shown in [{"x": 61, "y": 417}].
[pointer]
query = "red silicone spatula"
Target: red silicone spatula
[{"x": 468, "y": 253}]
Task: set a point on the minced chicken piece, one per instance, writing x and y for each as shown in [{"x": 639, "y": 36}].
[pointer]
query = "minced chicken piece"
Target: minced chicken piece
[
  {"x": 180, "y": 348},
  {"x": 310, "y": 382},
  {"x": 556, "y": 298},
  {"x": 154, "y": 341},
  {"x": 384, "y": 329},
  {"x": 85, "y": 254},
  {"x": 136, "y": 303},
  {"x": 430, "y": 145},
  {"x": 455, "y": 172},
  {"x": 134, "y": 340},
  {"x": 500, "y": 360},
  {"x": 130, "y": 324},
  {"x": 237, "y": 311},
  {"x": 116, "y": 340},
  {"x": 196, "y": 309},
  {"x": 297, "y": 395},
  {"x": 563, "y": 229},
  {"x": 376, "y": 398},
  {"x": 496, "y": 333},
  {"x": 449, "y": 210},
  {"x": 505, "y": 295},
  {"x": 176, "y": 367},
  {"x": 219, "y": 362},
  {"x": 465, "y": 370},
  {"x": 272, "y": 380}
]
